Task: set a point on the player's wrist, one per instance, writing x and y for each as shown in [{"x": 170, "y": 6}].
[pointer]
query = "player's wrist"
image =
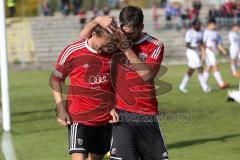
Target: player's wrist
[
  {"x": 127, "y": 52},
  {"x": 60, "y": 107},
  {"x": 96, "y": 21},
  {"x": 125, "y": 45}
]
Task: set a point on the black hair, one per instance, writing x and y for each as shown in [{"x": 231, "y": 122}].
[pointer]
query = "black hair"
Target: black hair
[
  {"x": 131, "y": 15},
  {"x": 196, "y": 22},
  {"x": 211, "y": 21}
]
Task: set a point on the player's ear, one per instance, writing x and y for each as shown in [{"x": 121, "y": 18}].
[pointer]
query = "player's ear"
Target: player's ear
[{"x": 94, "y": 35}]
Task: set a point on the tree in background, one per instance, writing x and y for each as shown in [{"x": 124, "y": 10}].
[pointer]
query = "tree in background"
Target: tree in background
[
  {"x": 24, "y": 8},
  {"x": 11, "y": 4}
]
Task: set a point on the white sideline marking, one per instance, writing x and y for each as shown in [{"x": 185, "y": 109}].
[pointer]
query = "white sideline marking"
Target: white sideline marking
[
  {"x": 7, "y": 146},
  {"x": 1, "y": 118}
]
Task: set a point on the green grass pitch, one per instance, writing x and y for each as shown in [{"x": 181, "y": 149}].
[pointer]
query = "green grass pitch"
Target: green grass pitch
[{"x": 195, "y": 126}]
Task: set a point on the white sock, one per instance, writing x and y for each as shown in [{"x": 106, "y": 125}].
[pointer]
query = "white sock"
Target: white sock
[
  {"x": 218, "y": 78},
  {"x": 205, "y": 75},
  {"x": 185, "y": 80},
  {"x": 202, "y": 81},
  {"x": 234, "y": 68}
]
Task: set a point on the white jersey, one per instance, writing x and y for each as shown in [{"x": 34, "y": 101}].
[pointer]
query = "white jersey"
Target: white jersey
[
  {"x": 234, "y": 39},
  {"x": 210, "y": 39},
  {"x": 194, "y": 38}
]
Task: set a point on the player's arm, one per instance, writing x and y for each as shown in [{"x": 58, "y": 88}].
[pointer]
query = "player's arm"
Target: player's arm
[
  {"x": 222, "y": 49},
  {"x": 142, "y": 69},
  {"x": 188, "y": 45},
  {"x": 114, "y": 115},
  {"x": 106, "y": 22},
  {"x": 220, "y": 46},
  {"x": 202, "y": 48},
  {"x": 57, "y": 81},
  {"x": 202, "y": 51},
  {"x": 62, "y": 116}
]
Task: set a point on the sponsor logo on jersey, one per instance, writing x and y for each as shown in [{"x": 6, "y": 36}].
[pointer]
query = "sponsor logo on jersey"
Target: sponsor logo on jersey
[{"x": 99, "y": 79}]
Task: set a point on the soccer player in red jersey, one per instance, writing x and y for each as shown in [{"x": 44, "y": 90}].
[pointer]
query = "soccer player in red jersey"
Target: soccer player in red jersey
[
  {"x": 88, "y": 109},
  {"x": 137, "y": 135}
]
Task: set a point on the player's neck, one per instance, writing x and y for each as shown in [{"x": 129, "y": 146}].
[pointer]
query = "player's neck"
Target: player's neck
[
  {"x": 141, "y": 36},
  {"x": 91, "y": 44}
]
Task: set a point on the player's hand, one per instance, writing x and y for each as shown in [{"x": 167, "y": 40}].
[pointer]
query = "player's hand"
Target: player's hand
[
  {"x": 119, "y": 35},
  {"x": 225, "y": 52},
  {"x": 122, "y": 41},
  {"x": 62, "y": 116},
  {"x": 106, "y": 22},
  {"x": 115, "y": 116}
]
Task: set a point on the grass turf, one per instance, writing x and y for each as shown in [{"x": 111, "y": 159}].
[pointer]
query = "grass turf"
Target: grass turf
[{"x": 195, "y": 126}]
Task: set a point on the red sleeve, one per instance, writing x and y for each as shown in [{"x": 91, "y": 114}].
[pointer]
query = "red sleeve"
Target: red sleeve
[
  {"x": 62, "y": 68},
  {"x": 155, "y": 57}
]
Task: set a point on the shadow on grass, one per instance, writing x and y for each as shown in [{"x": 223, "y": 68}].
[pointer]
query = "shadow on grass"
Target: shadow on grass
[
  {"x": 31, "y": 112},
  {"x": 37, "y": 131},
  {"x": 39, "y": 115},
  {"x": 200, "y": 141},
  {"x": 33, "y": 119}
]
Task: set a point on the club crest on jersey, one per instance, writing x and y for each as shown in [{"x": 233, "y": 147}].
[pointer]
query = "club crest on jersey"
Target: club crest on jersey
[
  {"x": 99, "y": 79},
  {"x": 79, "y": 141},
  {"x": 113, "y": 151},
  {"x": 143, "y": 56}
]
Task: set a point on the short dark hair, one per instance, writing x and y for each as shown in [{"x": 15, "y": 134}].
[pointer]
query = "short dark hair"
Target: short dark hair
[
  {"x": 131, "y": 15},
  {"x": 196, "y": 22},
  {"x": 211, "y": 21}
]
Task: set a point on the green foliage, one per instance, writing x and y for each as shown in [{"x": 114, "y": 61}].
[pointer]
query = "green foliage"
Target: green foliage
[
  {"x": 54, "y": 5},
  {"x": 25, "y": 8}
]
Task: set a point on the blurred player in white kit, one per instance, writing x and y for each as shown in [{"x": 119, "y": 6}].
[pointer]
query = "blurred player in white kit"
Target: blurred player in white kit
[
  {"x": 195, "y": 55},
  {"x": 234, "y": 50},
  {"x": 210, "y": 39}
]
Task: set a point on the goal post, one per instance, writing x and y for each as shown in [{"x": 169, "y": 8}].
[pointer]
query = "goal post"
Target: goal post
[{"x": 4, "y": 70}]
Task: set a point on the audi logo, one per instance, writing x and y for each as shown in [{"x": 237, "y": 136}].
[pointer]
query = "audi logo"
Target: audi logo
[{"x": 98, "y": 79}]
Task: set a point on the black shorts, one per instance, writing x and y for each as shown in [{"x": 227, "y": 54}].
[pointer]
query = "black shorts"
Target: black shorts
[
  {"x": 137, "y": 137},
  {"x": 89, "y": 139}
]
